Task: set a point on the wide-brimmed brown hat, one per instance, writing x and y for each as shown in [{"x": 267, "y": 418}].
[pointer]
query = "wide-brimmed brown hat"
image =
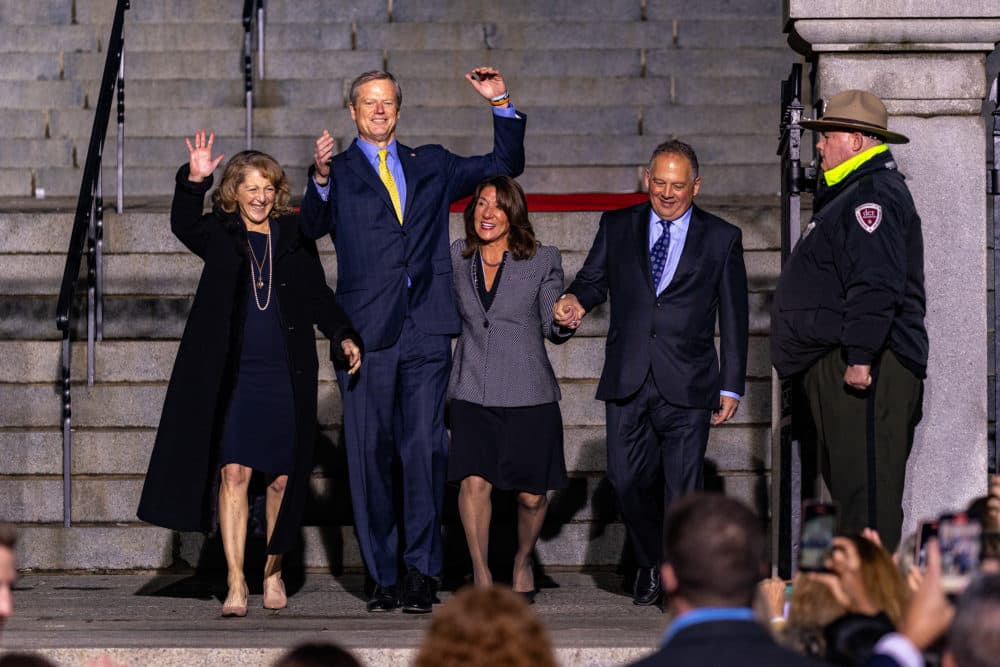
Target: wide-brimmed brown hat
[{"x": 856, "y": 111}]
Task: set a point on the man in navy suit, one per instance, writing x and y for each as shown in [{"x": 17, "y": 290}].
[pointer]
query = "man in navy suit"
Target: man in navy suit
[
  {"x": 671, "y": 269},
  {"x": 385, "y": 205}
]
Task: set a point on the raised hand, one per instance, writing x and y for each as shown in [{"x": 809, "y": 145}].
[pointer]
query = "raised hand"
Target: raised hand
[
  {"x": 322, "y": 153},
  {"x": 487, "y": 81},
  {"x": 353, "y": 354},
  {"x": 200, "y": 161}
]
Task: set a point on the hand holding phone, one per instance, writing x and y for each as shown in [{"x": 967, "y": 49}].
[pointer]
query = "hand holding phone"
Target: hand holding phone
[
  {"x": 928, "y": 530},
  {"x": 819, "y": 524},
  {"x": 960, "y": 540}
]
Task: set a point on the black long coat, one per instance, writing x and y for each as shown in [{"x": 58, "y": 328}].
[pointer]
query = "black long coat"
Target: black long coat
[{"x": 183, "y": 474}]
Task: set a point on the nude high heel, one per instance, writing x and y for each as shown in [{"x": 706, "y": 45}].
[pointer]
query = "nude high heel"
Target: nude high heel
[
  {"x": 274, "y": 595},
  {"x": 230, "y": 610}
]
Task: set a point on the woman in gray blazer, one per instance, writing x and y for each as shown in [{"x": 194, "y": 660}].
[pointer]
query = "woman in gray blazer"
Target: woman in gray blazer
[{"x": 506, "y": 428}]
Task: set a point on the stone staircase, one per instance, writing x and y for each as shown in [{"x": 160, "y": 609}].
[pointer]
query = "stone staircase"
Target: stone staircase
[{"x": 602, "y": 83}]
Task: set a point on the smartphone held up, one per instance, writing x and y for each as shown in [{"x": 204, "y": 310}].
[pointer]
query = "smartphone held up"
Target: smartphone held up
[{"x": 819, "y": 525}]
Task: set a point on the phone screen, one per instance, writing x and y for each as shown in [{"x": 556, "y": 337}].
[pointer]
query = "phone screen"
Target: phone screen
[
  {"x": 819, "y": 523},
  {"x": 960, "y": 540},
  {"x": 928, "y": 529}
]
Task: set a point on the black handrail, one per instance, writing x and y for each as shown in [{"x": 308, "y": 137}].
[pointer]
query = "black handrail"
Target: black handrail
[
  {"x": 993, "y": 189},
  {"x": 252, "y": 9},
  {"x": 786, "y": 449},
  {"x": 87, "y": 233}
]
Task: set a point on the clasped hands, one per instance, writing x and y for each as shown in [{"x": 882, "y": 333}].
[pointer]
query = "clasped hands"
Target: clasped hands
[{"x": 567, "y": 311}]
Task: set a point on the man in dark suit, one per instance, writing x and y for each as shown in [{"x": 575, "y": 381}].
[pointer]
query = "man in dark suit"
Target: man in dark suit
[
  {"x": 714, "y": 553},
  {"x": 671, "y": 269},
  {"x": 385, "y": 205}
]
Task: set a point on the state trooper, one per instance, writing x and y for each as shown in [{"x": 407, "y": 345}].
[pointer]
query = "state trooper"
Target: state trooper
[{"x": 847, "y": 319}]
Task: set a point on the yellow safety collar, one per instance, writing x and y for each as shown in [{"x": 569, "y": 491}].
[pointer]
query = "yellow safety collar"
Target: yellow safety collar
[{"x": 842, "y": 170}]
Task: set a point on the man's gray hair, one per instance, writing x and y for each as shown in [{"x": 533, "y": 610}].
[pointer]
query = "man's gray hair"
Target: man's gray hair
[
  {"x": 375, "y": 75},
  {"x": 676, "y": 147}
]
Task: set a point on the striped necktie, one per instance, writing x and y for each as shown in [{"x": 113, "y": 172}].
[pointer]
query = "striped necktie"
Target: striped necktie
[{"x": 390, "y": 184}]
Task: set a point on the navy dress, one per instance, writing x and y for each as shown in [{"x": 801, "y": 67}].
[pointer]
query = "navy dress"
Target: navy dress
[{"x": 260, "y": 422}]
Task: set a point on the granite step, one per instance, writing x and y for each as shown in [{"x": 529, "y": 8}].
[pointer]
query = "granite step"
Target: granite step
[
  {"x": 146, "y": 228},
  {"x": 662, "y": 10},
  {"x": 172, "y": 620},
  {"x": 145, "y": 361},
  {"x": 499, "y": 34}
]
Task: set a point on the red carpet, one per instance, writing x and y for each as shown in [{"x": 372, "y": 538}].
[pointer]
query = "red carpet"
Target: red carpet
[{"x": 584, "y": 201}]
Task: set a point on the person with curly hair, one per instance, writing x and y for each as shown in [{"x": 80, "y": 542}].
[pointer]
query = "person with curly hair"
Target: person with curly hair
[{"x": 484, "y": 627}]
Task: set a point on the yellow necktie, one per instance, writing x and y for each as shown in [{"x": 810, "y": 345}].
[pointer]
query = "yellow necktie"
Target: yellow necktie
[{"x": 390, "y": 184}]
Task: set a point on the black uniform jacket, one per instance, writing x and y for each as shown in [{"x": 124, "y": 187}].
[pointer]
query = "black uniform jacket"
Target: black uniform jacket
[
  {"x": 856, "y": 278},
  {"x": 183, "y": 476}
]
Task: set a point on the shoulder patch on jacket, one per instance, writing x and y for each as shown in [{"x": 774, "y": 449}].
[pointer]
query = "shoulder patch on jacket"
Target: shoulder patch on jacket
[{"x": 869, "y": 216}]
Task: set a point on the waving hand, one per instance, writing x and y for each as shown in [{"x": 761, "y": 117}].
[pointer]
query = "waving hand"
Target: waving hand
[{"x": 200, "y": 160}]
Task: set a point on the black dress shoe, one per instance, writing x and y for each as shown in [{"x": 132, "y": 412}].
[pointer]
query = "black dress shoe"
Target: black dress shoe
[
  {"x": 647, "y": 591},
  {"x": 418, "y": 593},
  {"x": 383, "y": 598}
]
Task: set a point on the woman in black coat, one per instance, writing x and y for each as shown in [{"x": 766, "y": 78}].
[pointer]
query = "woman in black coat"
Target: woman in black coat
[{"x": 242, "y": 395}]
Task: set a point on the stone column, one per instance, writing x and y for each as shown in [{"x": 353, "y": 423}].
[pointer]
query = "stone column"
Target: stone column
[{"x": 926, "y": 60}]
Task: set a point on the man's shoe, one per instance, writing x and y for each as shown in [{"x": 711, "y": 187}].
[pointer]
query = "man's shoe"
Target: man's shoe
[
  {"x": 647, "y": 591},
  {"x": 418, "y": 593},
  {"x": 383, "y": 598}
]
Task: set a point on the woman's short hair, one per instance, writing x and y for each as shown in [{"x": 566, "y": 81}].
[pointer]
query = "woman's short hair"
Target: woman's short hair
[
  {"x": 481, "y": 627},
  {"x": 235, "y": 172},
  {"x": 510, "y": 199},
  {"x": 812, "y": 608}
]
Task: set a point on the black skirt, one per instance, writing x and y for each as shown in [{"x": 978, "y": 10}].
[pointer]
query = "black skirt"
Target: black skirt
[{"x": 515, "y": 449}]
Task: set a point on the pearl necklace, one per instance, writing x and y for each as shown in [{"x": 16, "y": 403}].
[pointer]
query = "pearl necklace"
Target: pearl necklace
[{"x": 258, "y": 282}]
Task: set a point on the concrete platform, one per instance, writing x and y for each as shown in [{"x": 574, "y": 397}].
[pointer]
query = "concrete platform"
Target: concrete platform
[{"x": 173, "y": 619}]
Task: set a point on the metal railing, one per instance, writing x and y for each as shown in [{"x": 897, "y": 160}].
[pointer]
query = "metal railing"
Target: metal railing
[
  {"x": 786, "y": 448},
  {"x": 88, "y": 234},
  {"x": 993, "y": 189},
  {"x": 253, "y": 13}
]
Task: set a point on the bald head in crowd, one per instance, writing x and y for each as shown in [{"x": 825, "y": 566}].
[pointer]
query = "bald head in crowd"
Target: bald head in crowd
[{"x": 714, "y": 552}]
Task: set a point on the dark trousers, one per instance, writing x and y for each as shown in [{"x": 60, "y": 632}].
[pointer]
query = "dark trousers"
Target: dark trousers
[
  {"x": 655, "y": 454},
  {"x": 864, "y": 440},
  {"x": 395, "y": 405}
]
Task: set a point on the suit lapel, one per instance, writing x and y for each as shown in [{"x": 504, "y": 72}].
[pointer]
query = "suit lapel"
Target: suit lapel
[
  {"x": 693, "y": 245},
  {"x": 360, "y": 165},
  {"x": 640, "y": 231}
]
